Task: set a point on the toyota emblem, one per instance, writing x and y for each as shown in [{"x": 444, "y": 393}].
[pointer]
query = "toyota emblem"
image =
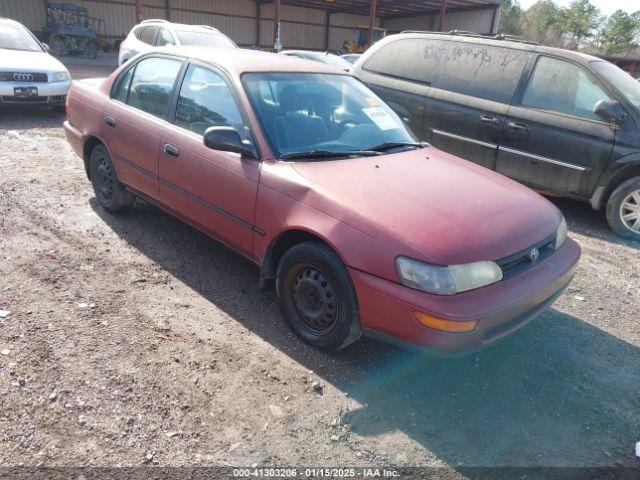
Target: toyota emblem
[
  {"x": 23, "y": 77},
  {"x": 534, "y": 255}
]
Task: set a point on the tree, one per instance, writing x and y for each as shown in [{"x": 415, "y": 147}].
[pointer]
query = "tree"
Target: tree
[
  {"x": 620, "y": 33},
  {"x": 511, "y": 18},
  {"x": 542, "y": 23},
  {"x": 579, "y": 21}
]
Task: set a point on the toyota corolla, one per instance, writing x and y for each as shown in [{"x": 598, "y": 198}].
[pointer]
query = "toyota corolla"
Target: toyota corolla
[{"x": 361, "y": 229}]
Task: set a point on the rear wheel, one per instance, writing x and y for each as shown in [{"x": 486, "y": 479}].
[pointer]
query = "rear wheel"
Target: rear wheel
[
  {"x": 623, "y": 209},
  {"x": 59, "y": 47},
  {"x": 110, "y": 193},
  {"x": 92, "y": 50},
  {"x": 317, "y": 297}
]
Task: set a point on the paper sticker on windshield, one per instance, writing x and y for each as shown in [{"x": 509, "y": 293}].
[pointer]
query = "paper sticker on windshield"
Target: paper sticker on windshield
[
  {"x": 372, "y": 101},
  {"x": 381, "y": 118}
]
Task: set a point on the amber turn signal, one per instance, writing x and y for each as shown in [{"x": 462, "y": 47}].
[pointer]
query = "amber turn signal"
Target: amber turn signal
[{"x": 445, "y": 325}]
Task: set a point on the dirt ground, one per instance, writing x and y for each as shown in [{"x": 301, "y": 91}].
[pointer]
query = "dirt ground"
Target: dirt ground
[{"x": 135, "y": 339}]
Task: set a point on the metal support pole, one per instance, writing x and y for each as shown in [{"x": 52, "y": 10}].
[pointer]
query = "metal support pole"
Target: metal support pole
[
  {"x": 494, "y": 20},
  {"x": 372, "y": 20},
  {"x": 167, "y": 10},
  {"x": 277, "y": 43},
  {"x": 258, "y": 24},
  {"x": 327, "y": 30},
  {"x": 443, "y": 13},
  {"x": 138, "y": 11}
]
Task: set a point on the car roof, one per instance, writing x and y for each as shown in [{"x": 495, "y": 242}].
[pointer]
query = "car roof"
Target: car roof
[
  {"x": 497, "y": 41},
  {"x": 241, "y": 61},
  {"x": 178, "y": 26}
]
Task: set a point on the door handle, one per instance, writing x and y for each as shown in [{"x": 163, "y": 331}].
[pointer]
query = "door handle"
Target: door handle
[
  {"x": 171, "y": 150},
  {"x": 110, "y": 121},
  {"x": 489, "y": 120},
  {"x": 517, "y": 127}
]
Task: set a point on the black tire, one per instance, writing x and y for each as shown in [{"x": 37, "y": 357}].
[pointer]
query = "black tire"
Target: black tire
[
  {"x": 59, "y": 47},
  {"x": 627, "y": 194},
  {"x": 110, "y": 193},
  {"x": 92, "y": 50},
  {"x": 317, "y": 297}
]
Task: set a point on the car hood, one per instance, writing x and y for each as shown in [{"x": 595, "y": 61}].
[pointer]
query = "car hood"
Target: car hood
[
  {"x": 436, "y": 207},
  {"x": 22, "y": 61}
]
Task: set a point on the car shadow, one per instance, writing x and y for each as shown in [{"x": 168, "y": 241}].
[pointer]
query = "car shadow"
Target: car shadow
[{"x": 560, "y": 392}]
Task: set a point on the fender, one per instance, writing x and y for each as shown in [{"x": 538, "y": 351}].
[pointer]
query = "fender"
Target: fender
[{"x": 616, "y": 173}]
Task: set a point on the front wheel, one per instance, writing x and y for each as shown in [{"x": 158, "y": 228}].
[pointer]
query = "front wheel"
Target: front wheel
[
  {"x": 317, "y": 297},
  {"x": 623, "y": 209},
  {"x": 110, "y": 193}
]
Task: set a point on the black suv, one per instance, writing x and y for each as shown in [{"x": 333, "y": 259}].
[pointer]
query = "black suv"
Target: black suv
[{"x": 559, "y": 121}]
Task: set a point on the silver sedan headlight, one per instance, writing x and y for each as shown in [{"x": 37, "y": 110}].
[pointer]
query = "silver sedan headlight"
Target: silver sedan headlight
[
  {"x": 447, "y": 280},
  {"x": 561, "y": 234},
  {"x": 59, "y": 77}
]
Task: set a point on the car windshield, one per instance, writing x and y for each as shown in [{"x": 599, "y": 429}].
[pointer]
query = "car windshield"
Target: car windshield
[
  {"x": 323, "y": 114},
  {"x": 15, "y": 37},
  {"x": 194, "y": 38},
  {"x": 620, "y": 79}
]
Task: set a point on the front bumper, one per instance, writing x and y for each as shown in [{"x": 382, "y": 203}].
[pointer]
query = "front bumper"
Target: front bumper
[
  {"x": 50, "y": 93},
  {"x": 386, "y": 308}
]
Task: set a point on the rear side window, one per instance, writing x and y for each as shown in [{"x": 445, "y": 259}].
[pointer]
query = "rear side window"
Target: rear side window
[
  {"x": 165, "y": 38},
  {"x": 137, "y": 32},
  {"x": 563, "y": 87},
  {"x": 483, "y": 71},
  {"x": 205, "y": 101},
  {"x": 148, "y": 35},
  {"x": 152, "y": 83}
]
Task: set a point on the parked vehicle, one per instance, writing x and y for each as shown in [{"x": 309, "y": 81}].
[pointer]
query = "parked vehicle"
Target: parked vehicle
[
  {"x": 322, "y": 57},
  {"x": 28, "y": 74},
  {"x": 559, "y": 121},
  {"x": 152, "y": 34},
  {"x": 304, "y": 170},
  {"x": 69, "y": 28},
  {"x": 352, "y": 58}
]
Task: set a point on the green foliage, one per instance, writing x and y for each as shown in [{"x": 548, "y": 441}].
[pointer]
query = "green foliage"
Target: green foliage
[
  {"x": 511, "y": 18},
  {"x": 620, "y": 33},
  {"x": 580, "y": 21},
  {"x": 543, "y": 23}
]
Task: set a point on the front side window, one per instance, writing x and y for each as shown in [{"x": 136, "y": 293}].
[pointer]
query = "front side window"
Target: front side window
[
  {"x": 152, "y": 83},
  {"x": 205, "y": 101},
  {"x": 307, "y": 112},
  {"x": 165, "y": 38},
  {"x": 148, "y": 35},
  {"x": 621, "y": 80},
  {"x": 194, "y": 38},
  {"x": 563, "y": 87},
  {"x": 16, "y": 37}
]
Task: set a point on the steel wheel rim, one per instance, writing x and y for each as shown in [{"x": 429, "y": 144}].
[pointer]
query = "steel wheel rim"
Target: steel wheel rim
[
  {"x": 105, "y": 179},
  {"x": 630, "y": 212},
  {"x": 314, "y": 299}
]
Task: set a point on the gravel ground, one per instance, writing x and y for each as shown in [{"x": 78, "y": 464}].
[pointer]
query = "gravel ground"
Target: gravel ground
[{"x": 135, "y": 339}]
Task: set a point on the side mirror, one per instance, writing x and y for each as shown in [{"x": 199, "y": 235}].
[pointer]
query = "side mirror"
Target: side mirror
[
  {"x": 227, "y": 139},
  {"x": 610, "y": 110},
  {"x": 46, "y": 47}
]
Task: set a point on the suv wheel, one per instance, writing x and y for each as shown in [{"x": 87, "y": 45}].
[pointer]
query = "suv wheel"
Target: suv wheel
[
  {"x": 317, "y": 297},
  {"x": 110, "y": 193},
  {"x": 623, "y": 209}
]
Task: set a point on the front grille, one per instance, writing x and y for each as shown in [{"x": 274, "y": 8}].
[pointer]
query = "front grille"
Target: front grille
[
  {"x": 23, "y": 77},
  {"x": 7, "y": 99},
  {"x": 521, "y": 261}
]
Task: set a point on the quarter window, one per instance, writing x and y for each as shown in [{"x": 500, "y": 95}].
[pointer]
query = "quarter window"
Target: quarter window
[
  {"x": 563, "y": 87},
  {"x": 165, "y": 38},
  {"x": 152, "y": 84},
  {"x": 206, "y": 100},
  {"x": 122, "y": 88}
]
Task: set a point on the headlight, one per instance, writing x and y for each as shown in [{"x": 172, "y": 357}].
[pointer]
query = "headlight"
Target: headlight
[
  {"x": 561, "y": 233},
  {"x": 59, "y": 77},
  {"x": 447, "y": 280}
]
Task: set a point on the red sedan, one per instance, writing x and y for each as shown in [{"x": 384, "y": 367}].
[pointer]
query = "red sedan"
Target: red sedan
[{"x": 360, "y": 228}]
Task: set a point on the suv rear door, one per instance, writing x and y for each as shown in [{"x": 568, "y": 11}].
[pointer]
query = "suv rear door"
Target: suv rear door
[{"x": 552, "y": 138}]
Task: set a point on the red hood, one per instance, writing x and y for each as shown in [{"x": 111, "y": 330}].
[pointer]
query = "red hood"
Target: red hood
[{"x": 438, "y": 207}]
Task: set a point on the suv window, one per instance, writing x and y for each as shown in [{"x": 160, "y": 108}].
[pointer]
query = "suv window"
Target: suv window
[
  {"x": 151, "y": 85},
  {"x": 206, "y": 100},
  {"x": 165, "y": 38},
  {"x": 476, "y": 70},
  {"x": 563, "y": 87},
  {"x": 148, "y": 35}
]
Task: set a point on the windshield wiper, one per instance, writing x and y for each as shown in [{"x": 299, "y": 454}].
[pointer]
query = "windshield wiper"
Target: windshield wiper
[
  {"x": 329, "y": 154},
  {"x": 383, "y": 147}
]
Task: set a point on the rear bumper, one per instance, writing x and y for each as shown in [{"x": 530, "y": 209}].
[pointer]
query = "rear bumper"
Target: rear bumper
[
  {"x": 75, "y": 138},
  {"x": 51, "y": 93},
  {"x": 500, "y": 309}
]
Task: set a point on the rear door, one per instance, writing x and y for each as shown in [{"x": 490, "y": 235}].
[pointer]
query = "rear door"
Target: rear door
[
  {"x": 214, "y": 190},
  {"x": 552, "y": 138},
  {"x": 135, "y": 118},
  {"x": 472, "y": 88}
]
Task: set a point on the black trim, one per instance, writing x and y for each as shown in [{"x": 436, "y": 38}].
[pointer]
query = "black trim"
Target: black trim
[{"x": 216, "y": 209}]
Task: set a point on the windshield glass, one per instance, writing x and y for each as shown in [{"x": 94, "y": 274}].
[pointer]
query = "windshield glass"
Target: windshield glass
[
  {"x": 620, "y": 79},
  {"x": 307, "y": 112},
  {"x": 15, "y": 37},
  {"x": 194, "y": 38}
]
